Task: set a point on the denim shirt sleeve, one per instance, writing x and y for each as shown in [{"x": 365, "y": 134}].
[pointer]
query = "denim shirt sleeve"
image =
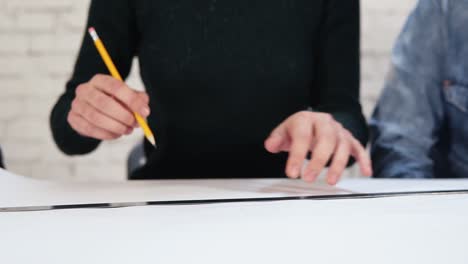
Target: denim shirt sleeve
[{"x": 408, "y": 116}]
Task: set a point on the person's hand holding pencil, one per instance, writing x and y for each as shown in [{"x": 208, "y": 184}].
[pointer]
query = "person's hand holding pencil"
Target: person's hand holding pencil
[
  {"x": 103, "y": 108},
  {"x": 106, "y": 108}
]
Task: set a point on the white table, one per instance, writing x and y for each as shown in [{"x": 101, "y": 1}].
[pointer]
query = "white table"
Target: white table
[{"x": 417, "y": 229}]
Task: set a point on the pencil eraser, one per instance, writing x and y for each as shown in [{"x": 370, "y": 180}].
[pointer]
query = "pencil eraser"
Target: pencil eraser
[{"x": 93, "y": 33}]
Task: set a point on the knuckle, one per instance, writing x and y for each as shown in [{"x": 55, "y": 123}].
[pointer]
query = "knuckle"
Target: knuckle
[
  {"x": 80, "y": 89},
  {"x": 320, "y": 160},
  {"x": 296, "y": 157},
  {"x": 327, "y": 117},
  {"x": 347, "y": 134},
  {"x": 101, "y": 100},
  {"x": 134, "y": 101},
  {"x": 120, "y": 129},
  {"x": 107, "y": 82},
  {"x": 302, "y": 136},
  {"x": 335, "y": 171},
  {"x": 330, "y": 129},
  {"x": 87, "y": 129},
  {"x": 329, "y": 138},
  {"x": 92, "y": 116},
  {"x": 70, "y": 118},
  {"x": 303, "y": 115},
  {"x": 340, "y": 162},
  {"x": 101, "y": 77},
  {"x": 344, "y": 138},
  {"x": 129, "y": 119},
  {"x": 346, "y": 147},
  {"x": 339, "y": 126},
  {"x": 74, "y": 106},
  {"x": 97, "y": 78},
  {"x": 88, "y": 114},
  {"x": 114, "y": 85},
  {"x": 91, "y": 96},
  {"x": 84, "y": 112},
  {"x": 146, "y": 97}
]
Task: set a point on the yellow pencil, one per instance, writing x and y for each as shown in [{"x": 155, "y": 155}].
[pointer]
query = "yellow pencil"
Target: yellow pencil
[{"x": 115, "y": 73}]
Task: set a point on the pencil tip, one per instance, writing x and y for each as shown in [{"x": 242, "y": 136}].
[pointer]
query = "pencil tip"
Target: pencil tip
[{"x": 152, "y": 141}]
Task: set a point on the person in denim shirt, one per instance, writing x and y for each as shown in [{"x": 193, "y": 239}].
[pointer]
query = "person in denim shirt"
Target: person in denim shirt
[{"x": 420, "y": 125}]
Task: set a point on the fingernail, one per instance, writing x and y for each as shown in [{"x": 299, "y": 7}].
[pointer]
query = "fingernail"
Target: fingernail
[
  {"x": 272, "y": 145},
  {"x": 331, "y": 182},
  {"x": 294, "y": 171},
  {"x": 332, "y": 179},
  {"x": 146, "y": 112}
]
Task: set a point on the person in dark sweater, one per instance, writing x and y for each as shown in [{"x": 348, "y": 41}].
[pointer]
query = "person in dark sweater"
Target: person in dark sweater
[{"x": 224, "y": 80}]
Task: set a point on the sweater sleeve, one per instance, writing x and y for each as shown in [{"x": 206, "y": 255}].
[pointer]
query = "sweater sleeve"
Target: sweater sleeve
[
  {"x": 338, "y": 67},
  {"x": 116, "y": 25}
]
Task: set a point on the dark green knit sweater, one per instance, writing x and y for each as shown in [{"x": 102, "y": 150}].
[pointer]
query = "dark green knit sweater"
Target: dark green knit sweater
[{"x": 221, "y": 75}]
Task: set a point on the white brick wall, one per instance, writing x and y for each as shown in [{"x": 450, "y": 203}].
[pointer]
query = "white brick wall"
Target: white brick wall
[{"x": 39, "y": 40}]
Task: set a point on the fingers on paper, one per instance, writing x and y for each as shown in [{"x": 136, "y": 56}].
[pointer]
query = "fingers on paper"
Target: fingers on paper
[
  {"x": 323, "y": 148},
  {"x": 299, "y": 130},
  {"x": 325, "y": 139},
  {"x": 362, "y": 157}
]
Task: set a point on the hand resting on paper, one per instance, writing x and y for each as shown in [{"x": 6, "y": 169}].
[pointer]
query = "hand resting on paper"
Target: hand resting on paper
[
  {"x": 103, "y": 108},
  {"x": 324, "y": 138}
]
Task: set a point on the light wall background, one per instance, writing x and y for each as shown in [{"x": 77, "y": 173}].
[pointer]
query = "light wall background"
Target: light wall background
[{"x": 39, "y": 40}]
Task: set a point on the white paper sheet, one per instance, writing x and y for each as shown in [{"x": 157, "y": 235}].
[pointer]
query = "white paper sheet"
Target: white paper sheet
[
  {"x": 403, "y": 185},
  {"x": 22, "y": 191},
  {"x": 18, "y": 191}
]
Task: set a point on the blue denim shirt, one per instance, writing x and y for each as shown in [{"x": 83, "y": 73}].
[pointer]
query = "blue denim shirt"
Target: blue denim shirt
[{"x": 420, "y": 125}]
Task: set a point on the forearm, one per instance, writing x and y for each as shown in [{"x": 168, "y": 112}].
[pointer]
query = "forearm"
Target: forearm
[
  {"x": 116, "y": 24},
  {"x": 338, "y": 70}
]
